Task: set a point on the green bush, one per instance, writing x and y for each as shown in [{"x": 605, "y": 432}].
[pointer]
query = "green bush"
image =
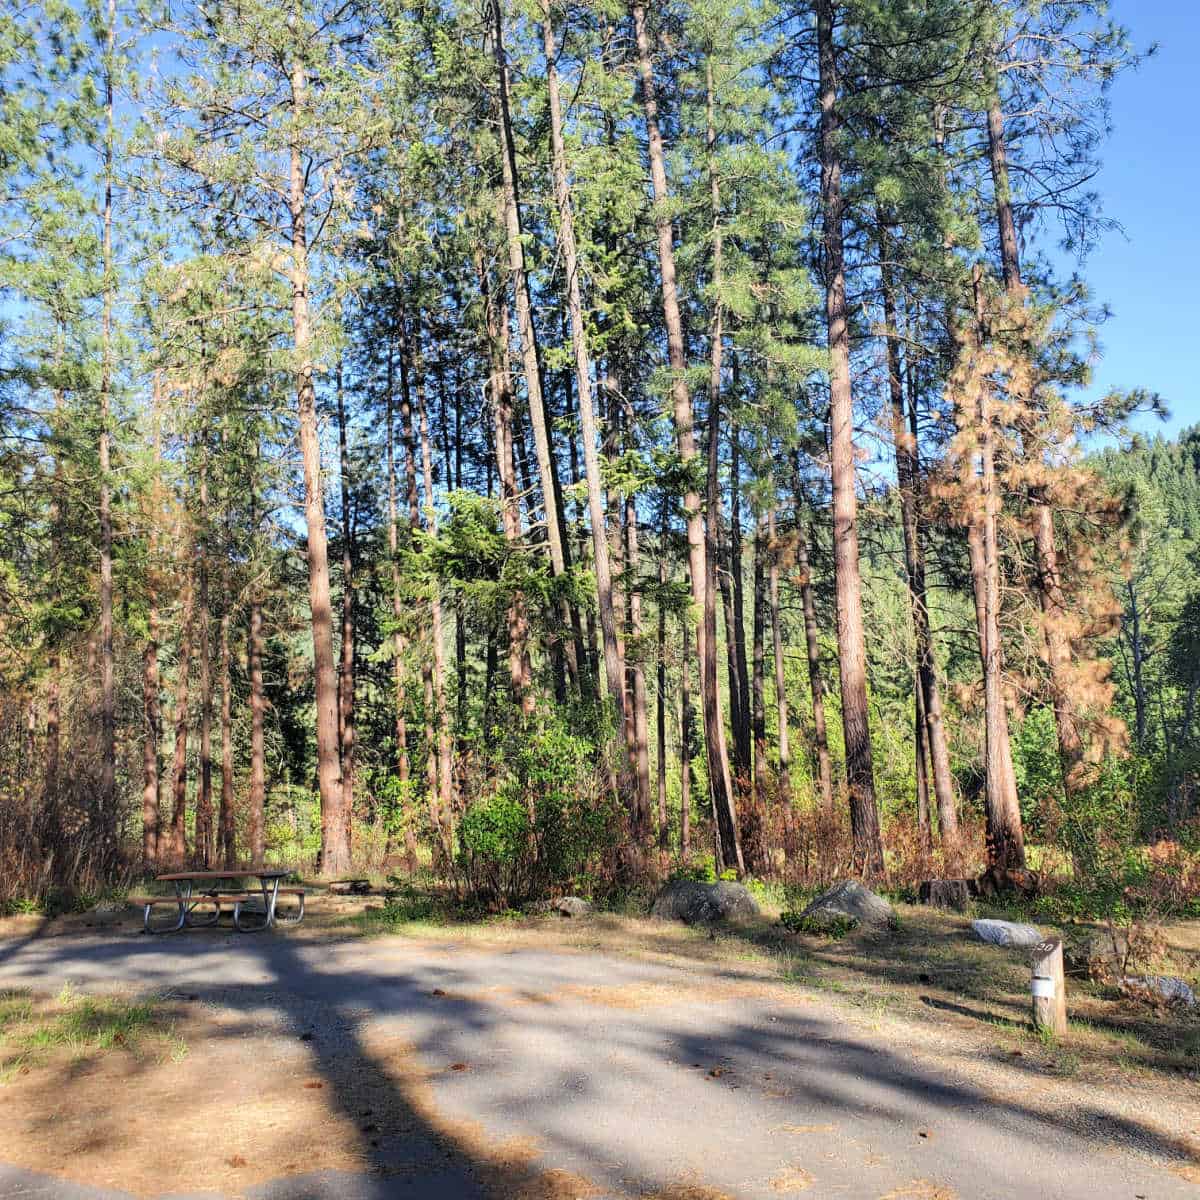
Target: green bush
[
  {"x": 540, "y": 821},
  {"x": 832, "y": 927},
  {"x": 695, "y": 870}
]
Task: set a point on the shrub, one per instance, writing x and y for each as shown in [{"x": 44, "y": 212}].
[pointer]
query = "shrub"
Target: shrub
[
  {"x": 541, "y": 818},
  {"x": 826, "y": 926}
]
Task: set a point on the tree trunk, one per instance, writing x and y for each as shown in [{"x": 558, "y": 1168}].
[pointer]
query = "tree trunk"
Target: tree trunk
[
  {"x": 108, "y": 684},
  {"x": 335, "y": 828},
  {"x": 1049, "y": 579},
  {"x": 685, "y": 744},
  {"x": 227, "y": 823},
  {"x": 714, "y": 725},
  {"x": 637, "y": 680},
  {"x": 908, "y": 474},
  {"x": 53, "y": 746},
  {"x": 539, "y": 419},
  {"x": 500, "y": 393},
  {"x": 852, "y": 657},
  {"x": 202, "y": 844},
  {"x": 398, "y": 642},
  {"x": 777, "y": 644},
  {"x": 758, "y": 715},
  {"x": 178, "y": 842},
  {"x": 256, "y": 801},
  {"x": 740, "y": 681},
  {"x": 812, "y": 644},
  {"x": 1005, "y": 837},
  {"x": 587, "y": 418},
  {"x": 661, "y": 693},
  {"x": 151, "y": 704},
  {"x": 346, "y": 673},
  {"x": 921, "y": 756},
  {"x": 445, "y": 777}
]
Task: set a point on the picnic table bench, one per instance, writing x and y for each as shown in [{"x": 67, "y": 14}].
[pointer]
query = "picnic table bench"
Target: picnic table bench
[{"x": 254, "y": 908}]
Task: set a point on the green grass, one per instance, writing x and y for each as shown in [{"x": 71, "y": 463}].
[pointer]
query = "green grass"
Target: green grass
[{"x": 81, "y": 1027}]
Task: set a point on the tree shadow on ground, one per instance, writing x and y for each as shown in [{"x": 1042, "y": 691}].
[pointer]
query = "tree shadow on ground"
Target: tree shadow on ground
[{"x": 605, "y": 1066}]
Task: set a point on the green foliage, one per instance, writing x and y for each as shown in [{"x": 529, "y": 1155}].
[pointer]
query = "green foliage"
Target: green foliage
[
  {"x": 696, "y": 870},
  {"x": 832, "y": 927},
  {"x": 539, "y": 822}
]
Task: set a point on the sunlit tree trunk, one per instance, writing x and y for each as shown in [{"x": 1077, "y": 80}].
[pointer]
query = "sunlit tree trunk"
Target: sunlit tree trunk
[
  {"x": 681, "y": 402},
  {"x": 1049, "y": 576},
  {"x": 852, "y": 655},
  {"x": 929, "y": 702},
  {"x": 442, "y": 749},
  {"x": 178, "y": 844},
  {"x": 500, "y": 394},
  {"x": 1005, "y": 836},
  {"x": 227, "y": 830},
  {"x": 151, "y": 703},
  {"x": 583, "y": 383},
  {"x": 335, "y": 823},
  {"x": 203, "y": 839},
  {"x": 108, "y": 684},
  {"x": 539, "y": 420},
  {"x": 347, "y": 670},
  {"x": 256, "y": 799}
]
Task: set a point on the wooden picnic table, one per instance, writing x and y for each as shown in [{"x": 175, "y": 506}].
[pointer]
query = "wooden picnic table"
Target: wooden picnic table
[{"x": 225, "y": 888}]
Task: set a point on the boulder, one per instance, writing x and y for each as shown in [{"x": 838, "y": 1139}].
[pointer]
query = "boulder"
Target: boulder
[
  {"x": 1006, "y": 933},
  {"x": 564, "y": 906},
  {"x": 703, "y": 903},
  {"x": 851, "y": 899},
  {"x": 1159, "y": 989},
  {"x": 1100, "y": 956},
  {"x": 954, "y": 894}
]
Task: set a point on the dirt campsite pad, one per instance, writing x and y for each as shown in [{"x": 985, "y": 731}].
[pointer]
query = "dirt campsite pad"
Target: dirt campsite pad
[{"x": 533, "y": 1060}]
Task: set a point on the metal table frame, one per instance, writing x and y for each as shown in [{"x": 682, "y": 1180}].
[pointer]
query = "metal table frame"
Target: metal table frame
[{"x": 188, "y": 901}]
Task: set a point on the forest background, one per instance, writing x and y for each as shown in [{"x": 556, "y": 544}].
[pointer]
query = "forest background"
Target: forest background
[{"x": 551, "y": 446}]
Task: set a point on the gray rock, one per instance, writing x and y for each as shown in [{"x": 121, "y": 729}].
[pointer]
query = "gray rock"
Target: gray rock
[
  {"x": 1170, "y": 988},
  {"x": 851, "y": 899},
  {"x": 1006, "y": 933},
  {"x": 703, "y": 903},
  {"x": 564, "y": 906}
]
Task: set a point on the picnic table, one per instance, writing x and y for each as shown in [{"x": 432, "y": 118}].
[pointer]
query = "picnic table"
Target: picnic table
[{"x": 254, "y": 907}]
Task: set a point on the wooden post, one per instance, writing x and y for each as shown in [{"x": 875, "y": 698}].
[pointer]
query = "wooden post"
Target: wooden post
[{"x": 1049, "y": 988}]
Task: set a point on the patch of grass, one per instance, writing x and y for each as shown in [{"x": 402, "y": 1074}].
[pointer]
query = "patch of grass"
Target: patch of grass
[
  {"x": 14, "y": 1007},
  {"x": 80, "y": 1027}
]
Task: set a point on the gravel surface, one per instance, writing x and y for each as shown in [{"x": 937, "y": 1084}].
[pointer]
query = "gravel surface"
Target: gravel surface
[{"x": 633, "y": 1078}]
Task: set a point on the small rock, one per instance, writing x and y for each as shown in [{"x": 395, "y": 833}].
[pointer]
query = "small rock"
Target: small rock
[
  {"x": 703, "y": 903},
  {"x": 1170, "y": 988},
  {"x": 953, "y": 894},
  {"x": 1006, "y": 933},
  {"x": 851, "y": 899}
]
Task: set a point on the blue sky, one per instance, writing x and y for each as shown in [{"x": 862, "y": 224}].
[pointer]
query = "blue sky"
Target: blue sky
[{"x": 1150, "y": 183}]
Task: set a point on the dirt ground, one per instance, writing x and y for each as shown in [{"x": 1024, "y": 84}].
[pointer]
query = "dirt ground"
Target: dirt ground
[{"x": 230, "y": 1100}]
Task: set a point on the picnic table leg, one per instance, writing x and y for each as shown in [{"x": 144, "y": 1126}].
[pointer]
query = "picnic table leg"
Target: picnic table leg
[
  {"x": 270, "y": 889},
  {"x": 179, "y": 919},
  {"x": 190, "y": 906}
]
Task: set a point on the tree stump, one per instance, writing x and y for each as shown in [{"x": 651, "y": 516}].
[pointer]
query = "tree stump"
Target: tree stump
[
  {"x": 952, "y": 894},
  {"x": 1049, "y": 988}
]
